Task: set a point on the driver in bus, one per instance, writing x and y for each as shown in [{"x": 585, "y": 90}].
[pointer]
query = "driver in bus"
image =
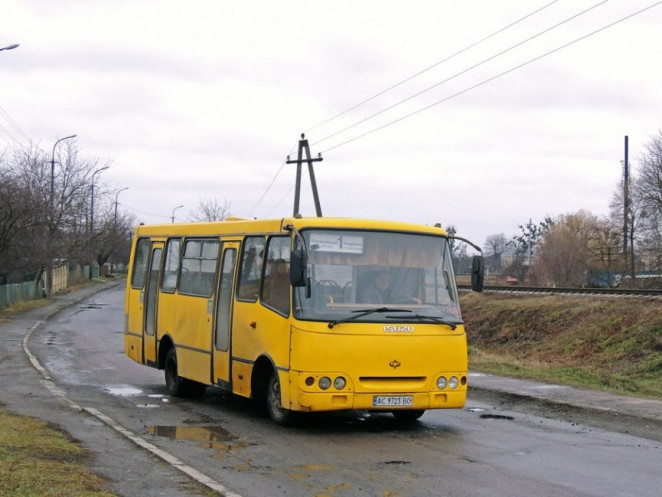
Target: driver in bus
[{"x": 379, "y": 291}]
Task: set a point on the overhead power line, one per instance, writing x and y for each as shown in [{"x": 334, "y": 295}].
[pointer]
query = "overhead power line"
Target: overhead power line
[
  {"x": 446, "y": 59},
  {"x": 488, "y": 80},
  {"x": 14, "y": 129},
  {"x": 464, "y": 71}
]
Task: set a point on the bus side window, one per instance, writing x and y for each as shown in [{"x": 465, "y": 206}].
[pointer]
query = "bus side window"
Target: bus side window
[
  {"x": 140, "y": 263},
  {"x": 250, "y": 272},
  {"x": 276, "y": 286},
  {"x": 171, "y": 266},
  {"x": 199, "y": 267}
]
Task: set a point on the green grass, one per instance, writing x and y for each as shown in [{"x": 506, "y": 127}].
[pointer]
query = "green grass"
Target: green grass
[
  {"x": 39, "y": 460},
  {"x": 610, "y": 344}
]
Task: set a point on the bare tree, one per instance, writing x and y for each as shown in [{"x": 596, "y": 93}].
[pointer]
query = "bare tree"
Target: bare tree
[
  {"x": 210, "y": 210},
  {"x": 495, "y": 246},
  {"x": 647, "y": 197},
  {"x": 54, "y": 226}
]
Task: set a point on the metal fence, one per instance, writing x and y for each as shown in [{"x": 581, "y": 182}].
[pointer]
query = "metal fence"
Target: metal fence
[
  {"x": 14, "y": 292},
  {"x": 63, "y": 277}
]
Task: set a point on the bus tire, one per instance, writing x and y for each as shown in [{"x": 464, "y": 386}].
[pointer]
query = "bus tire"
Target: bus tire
[
  {"x": 277, "y": 413},
  {"x": 175, "y": 384},
  {"x": 409, "y": 414}
]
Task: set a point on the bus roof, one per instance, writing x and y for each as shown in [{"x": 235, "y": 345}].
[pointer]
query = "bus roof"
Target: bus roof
[{"x": 241, "y": 226}]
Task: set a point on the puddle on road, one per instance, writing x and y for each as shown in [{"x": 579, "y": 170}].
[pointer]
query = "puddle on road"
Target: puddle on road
[
  {"x": 476, "y": 409},
  {"x": 497, "y": 416},
  {"x": 123, "y": 391},
  {"x": 92, "y": 306},
  {"x": 206, "y": 437}
]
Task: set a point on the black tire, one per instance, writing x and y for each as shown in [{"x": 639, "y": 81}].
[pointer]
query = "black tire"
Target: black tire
[
  {"x": 409, "y": 415},
  {"x": 277, "y": 413},
  {"x": 175, "y": 384}
]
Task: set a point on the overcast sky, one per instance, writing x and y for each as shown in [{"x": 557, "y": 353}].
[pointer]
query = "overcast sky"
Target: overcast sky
[{"x": 205, "y": 99}]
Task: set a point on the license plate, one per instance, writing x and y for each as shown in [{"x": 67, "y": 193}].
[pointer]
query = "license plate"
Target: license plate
[{"x": 391, "y": 400}]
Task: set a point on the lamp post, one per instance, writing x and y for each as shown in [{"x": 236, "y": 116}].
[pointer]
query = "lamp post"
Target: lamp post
[
  {"x": 53, "y": 167},
  {"x": 115, "y": 234},
  {"x": 117, "y": 195},
  {"x": 173, "y": 213},
  {"x": 92, "y": 213},
  {"x": 10, "y": 47},
  {"x": 51, "y": 222}
]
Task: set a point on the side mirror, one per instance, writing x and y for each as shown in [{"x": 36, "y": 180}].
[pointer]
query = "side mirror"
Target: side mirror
[
  {"x": 298, "y": 268},
  {"x": 477, "y": 273}
]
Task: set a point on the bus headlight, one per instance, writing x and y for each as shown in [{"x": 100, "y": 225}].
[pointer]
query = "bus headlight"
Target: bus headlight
[
  {"x": 339, "y": 383},
  {"x": 453, "y": 382},
  {"x": 441, "y": 382},
  {"x": 324, "y": 382}
]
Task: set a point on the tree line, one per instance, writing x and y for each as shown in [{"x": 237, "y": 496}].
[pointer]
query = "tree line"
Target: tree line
[
  {"x": 55, "y": 210},
  {"x": 580, "y": 249}
]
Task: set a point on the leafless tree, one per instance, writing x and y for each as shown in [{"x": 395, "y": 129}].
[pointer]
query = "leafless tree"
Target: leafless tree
[
  {"x": 495, "y": 246},
  {"x": 210, "y": 210}
]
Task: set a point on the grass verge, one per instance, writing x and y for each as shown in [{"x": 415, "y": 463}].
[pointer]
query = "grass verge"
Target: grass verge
[{"x": 39, "y": 460}]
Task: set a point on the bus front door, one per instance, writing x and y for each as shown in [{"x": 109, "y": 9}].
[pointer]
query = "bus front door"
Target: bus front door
[
  {"x": 221, "y": 342},
  {"x": 151, "y": 303}
]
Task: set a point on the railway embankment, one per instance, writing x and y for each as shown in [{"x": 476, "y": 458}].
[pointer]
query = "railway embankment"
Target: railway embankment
[{"x": 597, "y": 342}]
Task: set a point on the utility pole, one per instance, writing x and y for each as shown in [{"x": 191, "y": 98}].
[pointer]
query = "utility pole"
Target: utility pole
[
  {"x": 303, "y": 146},
  {"x": 626, "y": 199}
]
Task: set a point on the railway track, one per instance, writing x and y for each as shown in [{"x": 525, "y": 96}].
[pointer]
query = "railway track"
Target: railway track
[{"x": 569, "y": 290}]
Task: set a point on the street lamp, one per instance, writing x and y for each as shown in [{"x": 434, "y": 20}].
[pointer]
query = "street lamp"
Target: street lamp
[
  {"x": 10, "y": 47},
  {"x": 92, "y": 211},
  {"x": 173, "y": 212},
  {"x": 53, "y": 167},
  {"x": 51, "y": 221},
  {"x": 117, "y": 195}
]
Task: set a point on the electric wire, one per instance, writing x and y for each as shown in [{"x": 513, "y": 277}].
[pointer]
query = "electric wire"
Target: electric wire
[
  {"x": 271, "y": 184},
  {"x": 446, "y": 59},
  {"x": 8, "y": 134},
  {"x": 13, "y": 124},
  {"x": 464, "y": 71},
  {"x": 492, "y": 78}
]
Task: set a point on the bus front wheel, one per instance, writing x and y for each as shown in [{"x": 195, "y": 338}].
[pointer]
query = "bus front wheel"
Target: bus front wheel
[{"x": 277, "y": 413}]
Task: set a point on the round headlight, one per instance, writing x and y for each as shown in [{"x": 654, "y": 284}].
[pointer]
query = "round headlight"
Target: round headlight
[
  {"x": 441, "y": 382},
  {"x": 453, "y": 382},
  {"x": 324, "y": 382},
  {"x": 339, "y": 383}
]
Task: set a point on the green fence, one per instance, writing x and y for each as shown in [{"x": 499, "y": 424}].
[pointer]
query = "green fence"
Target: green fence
[
  {"x": 73, "y": 275},
  {"x": 18, "y": 291}
]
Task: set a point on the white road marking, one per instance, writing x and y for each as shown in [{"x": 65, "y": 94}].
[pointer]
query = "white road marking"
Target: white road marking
[{"x": 48, "y": 382}]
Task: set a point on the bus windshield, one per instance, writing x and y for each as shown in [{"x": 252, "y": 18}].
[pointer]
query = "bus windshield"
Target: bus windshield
[{"x": 377, "y": 276}]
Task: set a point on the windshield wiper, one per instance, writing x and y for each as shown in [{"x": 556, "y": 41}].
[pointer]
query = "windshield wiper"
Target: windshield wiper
[
  {"x": 452, "y": 324},
  {"x": 364, "y": 312}
]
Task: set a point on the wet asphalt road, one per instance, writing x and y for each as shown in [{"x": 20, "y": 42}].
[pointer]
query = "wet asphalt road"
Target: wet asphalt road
[{"x": 482, "y": 450}]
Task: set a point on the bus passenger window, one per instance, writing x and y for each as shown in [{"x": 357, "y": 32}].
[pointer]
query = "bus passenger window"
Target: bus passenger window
[
  {"x": 199, "y": 267},
  {"x": 140, "y": 261},
  {"x": 171, "y": 266},
  {"x": 251, "y": 268},
  {"x": 276, "y": 286}
]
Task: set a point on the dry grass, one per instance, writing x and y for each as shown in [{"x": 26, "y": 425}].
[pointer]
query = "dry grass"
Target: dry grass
[
  {"x": 40, "y": 460},
  {"x": 605, "y": 343}
]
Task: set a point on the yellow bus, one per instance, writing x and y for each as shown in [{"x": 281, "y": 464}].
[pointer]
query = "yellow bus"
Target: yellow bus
[{"x": 301, "y": 314}]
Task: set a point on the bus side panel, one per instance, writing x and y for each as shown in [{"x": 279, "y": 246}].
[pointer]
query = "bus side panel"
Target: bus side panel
[
  {"x": 258, "y": 331},
  {"x": 186, "y": 320}
]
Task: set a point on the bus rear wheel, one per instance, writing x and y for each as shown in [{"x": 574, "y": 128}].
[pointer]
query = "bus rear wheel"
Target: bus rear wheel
[
  {"x": 409, "y": 415},
  {"x": 175, "y": 384},
  {"x": 277, "y": 413}
]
